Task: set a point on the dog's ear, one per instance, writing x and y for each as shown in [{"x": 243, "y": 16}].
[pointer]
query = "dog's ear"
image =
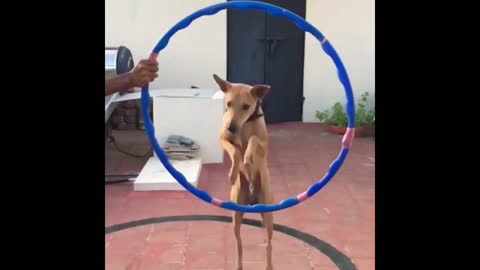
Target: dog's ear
[
  {"x": 260, "y": 90},
  {"x": 224, "y": 85}
]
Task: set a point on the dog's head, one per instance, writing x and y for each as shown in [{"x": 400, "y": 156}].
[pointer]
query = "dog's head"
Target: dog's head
[{"x": 240, "y": 102}]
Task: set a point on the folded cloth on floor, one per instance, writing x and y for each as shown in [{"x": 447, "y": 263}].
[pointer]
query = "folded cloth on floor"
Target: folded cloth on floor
[
  {"x": 173, "y": 147},
  {"x": 180, "y": 147},
  {"x": 178, "y": 142},
  {"x": 179, "y": 156}
]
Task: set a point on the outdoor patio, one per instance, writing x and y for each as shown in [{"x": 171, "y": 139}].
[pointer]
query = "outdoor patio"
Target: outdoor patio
[{"x": 342, "y": 214}]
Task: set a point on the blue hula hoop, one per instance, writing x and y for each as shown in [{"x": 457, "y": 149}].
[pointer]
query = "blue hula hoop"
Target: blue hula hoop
[{"x": 342, "y": 75}]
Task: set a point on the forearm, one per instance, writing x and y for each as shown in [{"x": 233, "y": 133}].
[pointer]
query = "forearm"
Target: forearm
[
  {"x": 236, "y": 158},
  {"x": 118, "y": 83}
]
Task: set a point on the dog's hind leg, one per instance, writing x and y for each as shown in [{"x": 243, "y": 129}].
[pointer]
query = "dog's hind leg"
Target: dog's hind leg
[
  {"x": 265, "y": 196},
  {"x": 239, "y": 194},
  {"x": 237, "y": 222}
]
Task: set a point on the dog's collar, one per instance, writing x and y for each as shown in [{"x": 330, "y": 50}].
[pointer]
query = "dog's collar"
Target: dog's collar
[{"x": 255, "y": 115}]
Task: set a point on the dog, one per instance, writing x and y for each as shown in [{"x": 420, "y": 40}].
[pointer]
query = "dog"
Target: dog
[{"x": 244, "y": 137}]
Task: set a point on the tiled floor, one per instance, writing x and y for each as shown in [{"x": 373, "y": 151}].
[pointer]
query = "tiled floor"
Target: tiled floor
[{"x": 341, "y": 214}]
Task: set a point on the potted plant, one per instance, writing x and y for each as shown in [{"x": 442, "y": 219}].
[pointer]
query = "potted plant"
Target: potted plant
[{"x": 336, "y": 118}]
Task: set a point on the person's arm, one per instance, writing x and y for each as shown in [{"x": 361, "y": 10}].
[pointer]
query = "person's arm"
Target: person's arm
[
  {"x": 118, "y": 83},
  {"x": 143, "y": 73}
]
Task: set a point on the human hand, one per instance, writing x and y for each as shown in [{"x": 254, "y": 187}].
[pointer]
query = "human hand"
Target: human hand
[{"x": 144, "y": 72}]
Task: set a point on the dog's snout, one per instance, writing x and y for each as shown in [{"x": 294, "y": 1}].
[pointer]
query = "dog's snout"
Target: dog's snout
[{"x": 232, "y": 128}]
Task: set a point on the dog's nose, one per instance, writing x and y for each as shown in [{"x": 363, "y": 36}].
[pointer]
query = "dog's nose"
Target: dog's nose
[{"x": 232, "y": 128}]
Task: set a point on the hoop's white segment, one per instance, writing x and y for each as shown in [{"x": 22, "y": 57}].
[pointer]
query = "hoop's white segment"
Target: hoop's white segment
[{"x": 348, "y": 138}]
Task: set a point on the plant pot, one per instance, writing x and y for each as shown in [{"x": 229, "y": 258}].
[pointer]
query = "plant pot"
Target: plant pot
[
  {"x": 337, "y": 129},
  {"x": 360, "y": 131}
]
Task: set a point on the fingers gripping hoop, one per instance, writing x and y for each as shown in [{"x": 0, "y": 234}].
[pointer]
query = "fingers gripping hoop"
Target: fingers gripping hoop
[{"x": 342, "y": 75}]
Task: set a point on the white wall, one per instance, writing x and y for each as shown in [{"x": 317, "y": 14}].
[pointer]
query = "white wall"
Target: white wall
[
  {"x": 350, "y": 26},
  {"x": 192, "y": 55}
]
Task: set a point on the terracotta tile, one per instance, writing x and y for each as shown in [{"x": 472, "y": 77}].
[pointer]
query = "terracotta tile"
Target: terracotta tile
[
  {"x": 324, "y": 267},
  {"x": 251, "y": 253},
  {"x": 364, "y": 264},
  {"x": 169, "y": 227},
  {"x": 341, "y": 214},
  {"x": 206, "y": 244},
  {"x": 167, "y": 266},
  {"x": 321, "y": 260},
  {"x": 127, "y": 241},
  {"x": 288, "y": 262},
  {"x": 159, "y": 253},
  {"x": 247, "y": 265},
  {"x": 360, "y": 249},
  {"x": 205, "y": 260},
  {"x": 172, "y": 237}
]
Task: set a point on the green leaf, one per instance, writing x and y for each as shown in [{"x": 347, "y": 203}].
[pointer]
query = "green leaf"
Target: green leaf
[{"x": 336, "y": 114}]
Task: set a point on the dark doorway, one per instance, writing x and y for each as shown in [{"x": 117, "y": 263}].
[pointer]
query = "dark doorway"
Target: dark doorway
[{"x": 263, "y": 49}]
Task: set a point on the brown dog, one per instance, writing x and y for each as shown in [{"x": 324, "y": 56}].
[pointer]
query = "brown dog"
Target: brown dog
[{"x": 244, "y": 137}]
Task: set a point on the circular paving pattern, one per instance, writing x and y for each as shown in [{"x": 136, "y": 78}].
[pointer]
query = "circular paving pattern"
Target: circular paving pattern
[{"x": 213, "y": 247}]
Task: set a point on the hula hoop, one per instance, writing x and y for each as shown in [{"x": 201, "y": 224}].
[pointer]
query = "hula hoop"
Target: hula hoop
[{"x": 342, "y": 75}]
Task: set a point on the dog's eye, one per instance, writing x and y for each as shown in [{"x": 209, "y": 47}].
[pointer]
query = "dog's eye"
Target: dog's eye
[
  {"x": 245, "y": 106},
  {"x": 229, "y": 104}
]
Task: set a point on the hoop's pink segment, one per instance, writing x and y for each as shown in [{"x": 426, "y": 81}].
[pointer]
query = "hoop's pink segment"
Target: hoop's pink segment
[
  {"x": 216, "y": 202},
  {"x": 153, "y": 56},
  {"x": 348, "y": 137},
  {"x": 302, "y": 197}
]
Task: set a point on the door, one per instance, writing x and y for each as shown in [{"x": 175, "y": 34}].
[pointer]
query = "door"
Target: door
[{"x": 264, "y": 49}]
